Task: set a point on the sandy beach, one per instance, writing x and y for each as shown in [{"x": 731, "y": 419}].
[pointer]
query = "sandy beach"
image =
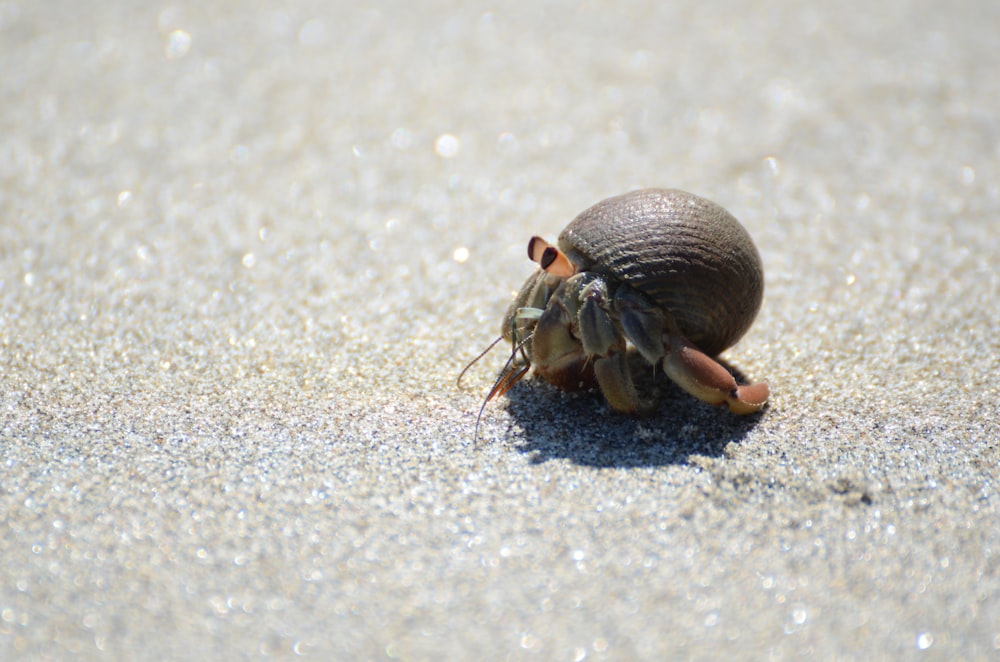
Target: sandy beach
[{"x": 247, "y": 247}]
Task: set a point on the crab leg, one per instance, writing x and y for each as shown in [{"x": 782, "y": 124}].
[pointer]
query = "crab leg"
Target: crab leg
[
  {"x": 616, "y": 383},
  {"x": 704, "y": 378}
]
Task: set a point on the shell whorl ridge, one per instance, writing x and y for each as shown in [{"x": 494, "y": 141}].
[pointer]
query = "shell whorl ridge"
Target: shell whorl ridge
[{"x": 686, "y": 253}]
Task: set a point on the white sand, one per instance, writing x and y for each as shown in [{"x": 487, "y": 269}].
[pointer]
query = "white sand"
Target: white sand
[{"x": 245, "y": 248}]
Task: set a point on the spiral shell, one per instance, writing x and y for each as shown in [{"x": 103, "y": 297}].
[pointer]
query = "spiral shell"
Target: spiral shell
[{"x": 686, "y": 253}]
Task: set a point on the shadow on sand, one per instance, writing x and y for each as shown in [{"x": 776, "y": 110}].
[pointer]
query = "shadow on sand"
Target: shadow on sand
[{"x": 581, "y": 427}]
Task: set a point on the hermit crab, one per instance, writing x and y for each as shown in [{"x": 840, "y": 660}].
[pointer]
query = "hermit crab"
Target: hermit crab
[{"x": 669, "y": 273}]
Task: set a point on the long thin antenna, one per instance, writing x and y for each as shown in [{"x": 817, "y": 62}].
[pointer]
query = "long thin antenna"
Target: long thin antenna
[
  {"x": 486, "y": 351},
  {"x": 511, "y": 374}
]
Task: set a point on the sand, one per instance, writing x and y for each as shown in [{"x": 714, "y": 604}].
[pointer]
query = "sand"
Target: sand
[{"x": 247, "y": 248}]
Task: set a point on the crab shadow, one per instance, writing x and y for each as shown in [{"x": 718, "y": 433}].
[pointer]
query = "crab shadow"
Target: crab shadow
[{"x": 582, "y": 428}]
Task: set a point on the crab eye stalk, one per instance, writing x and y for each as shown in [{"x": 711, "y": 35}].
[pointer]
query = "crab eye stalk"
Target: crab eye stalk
[{"x": 549, "y": 258}]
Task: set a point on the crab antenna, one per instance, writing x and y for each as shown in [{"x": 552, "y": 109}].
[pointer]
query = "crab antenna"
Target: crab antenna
[
  {"x": 550, "y": 258},
  {"x": 473, "y": 362},
  {"x": 510, "y": 375}
]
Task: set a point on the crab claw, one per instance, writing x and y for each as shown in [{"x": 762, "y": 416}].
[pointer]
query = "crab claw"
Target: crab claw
[
  {"x": 565, "y": 363},
  {"x": 704, "y": 378}
]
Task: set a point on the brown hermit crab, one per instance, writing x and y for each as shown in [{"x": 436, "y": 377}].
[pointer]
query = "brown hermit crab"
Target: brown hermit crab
[{"x": 672, "y": 274}]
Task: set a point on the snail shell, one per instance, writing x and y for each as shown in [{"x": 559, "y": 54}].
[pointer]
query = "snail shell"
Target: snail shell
[{"x": 686, "y": 253}]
